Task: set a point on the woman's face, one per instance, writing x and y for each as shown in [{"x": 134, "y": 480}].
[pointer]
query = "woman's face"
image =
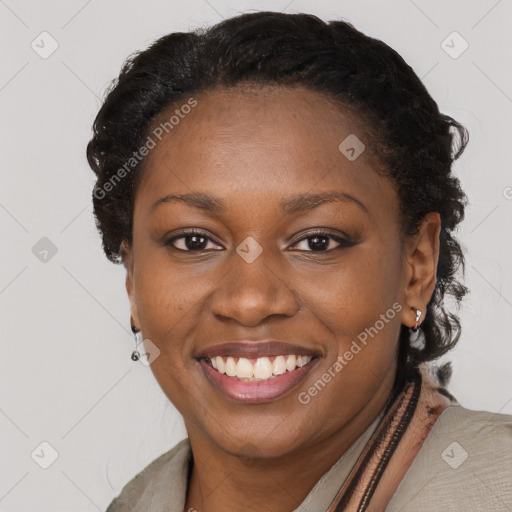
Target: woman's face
[{"x": 258, "y": 272}]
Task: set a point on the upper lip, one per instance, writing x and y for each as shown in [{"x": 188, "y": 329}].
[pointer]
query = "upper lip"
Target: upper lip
[{"x": 255, "y": 349}]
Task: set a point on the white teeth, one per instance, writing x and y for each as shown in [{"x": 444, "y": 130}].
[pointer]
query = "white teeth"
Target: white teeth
[
  {"x": 279, "y": 365},
  {"x": 302, "y": 360},
  {"x": 230, "y": 367},
  {"x": 306, "y": 360},
  {"x": 263, "y": 368},
  {"x": 291, "y": 362},
  {"x": 244, "y": 368},
  {"x": 221, "y": 366}
]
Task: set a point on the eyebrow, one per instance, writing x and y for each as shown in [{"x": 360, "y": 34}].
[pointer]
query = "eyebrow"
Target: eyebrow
[{"x": 291, "y": 206}]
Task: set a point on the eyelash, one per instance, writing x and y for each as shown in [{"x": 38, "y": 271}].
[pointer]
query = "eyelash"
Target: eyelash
[{"x": 189, "y": 233}]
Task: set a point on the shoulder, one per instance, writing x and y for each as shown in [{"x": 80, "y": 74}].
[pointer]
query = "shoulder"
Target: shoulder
[
  {"x": 475, "y": 418},
  {"x": 464, "y": 464},
  {"x": 485, "y": 436},
  {"x": 161, "y": 482}
]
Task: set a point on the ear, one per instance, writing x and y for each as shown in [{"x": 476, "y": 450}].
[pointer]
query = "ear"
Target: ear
[
  {"x": 421, "y": 259},
  {"x": 128, "y": 262}
]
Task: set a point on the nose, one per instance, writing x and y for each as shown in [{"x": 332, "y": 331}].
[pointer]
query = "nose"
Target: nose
[{"x": 251, "y": 292}]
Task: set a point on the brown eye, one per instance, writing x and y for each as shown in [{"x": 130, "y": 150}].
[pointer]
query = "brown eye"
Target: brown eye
[
  {"x": 189, "y": 241},
  {"x": 321, "y": 241}
]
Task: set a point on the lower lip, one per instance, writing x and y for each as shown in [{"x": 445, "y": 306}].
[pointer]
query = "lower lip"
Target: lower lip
[{"x": 256, "y": 391}]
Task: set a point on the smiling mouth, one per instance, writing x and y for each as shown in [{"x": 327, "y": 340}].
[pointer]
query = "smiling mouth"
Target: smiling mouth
[{"x": 258, "y": 369}]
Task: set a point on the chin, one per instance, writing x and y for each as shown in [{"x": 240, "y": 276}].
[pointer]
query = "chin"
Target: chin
[{"x": 257, "y": 444}]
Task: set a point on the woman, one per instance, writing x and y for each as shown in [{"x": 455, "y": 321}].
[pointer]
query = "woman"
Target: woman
[{"x": 279, "y": 190}]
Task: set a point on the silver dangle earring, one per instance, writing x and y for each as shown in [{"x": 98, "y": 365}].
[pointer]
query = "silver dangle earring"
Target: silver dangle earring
[
  {"x": 418, "y": 316},
  {"x": 138, "y": 336}
]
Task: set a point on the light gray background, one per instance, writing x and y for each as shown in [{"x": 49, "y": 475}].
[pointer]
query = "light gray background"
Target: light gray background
[{"x": 66, "y": 373}]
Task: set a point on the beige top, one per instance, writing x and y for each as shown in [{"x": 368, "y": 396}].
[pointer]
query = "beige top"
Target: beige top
[{"x": 464, "y": 464}]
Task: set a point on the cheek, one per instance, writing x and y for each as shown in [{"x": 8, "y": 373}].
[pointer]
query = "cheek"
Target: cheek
[
  {"x": 357, "y": 306},
  {"x": 350, "y": 296},
  {"x": 169, "y": 300},
  {"x": 167, "y": 304}
]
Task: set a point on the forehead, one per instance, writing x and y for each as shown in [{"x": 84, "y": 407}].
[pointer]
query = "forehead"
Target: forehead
[{"x": 260, "y": 144}]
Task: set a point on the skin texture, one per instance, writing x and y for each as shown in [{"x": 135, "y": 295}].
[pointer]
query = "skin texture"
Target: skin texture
[{"x": 252, "y": 149}]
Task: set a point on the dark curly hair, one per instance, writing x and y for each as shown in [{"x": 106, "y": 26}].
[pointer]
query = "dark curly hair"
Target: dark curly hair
[{"x": 414, "y": 140}]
